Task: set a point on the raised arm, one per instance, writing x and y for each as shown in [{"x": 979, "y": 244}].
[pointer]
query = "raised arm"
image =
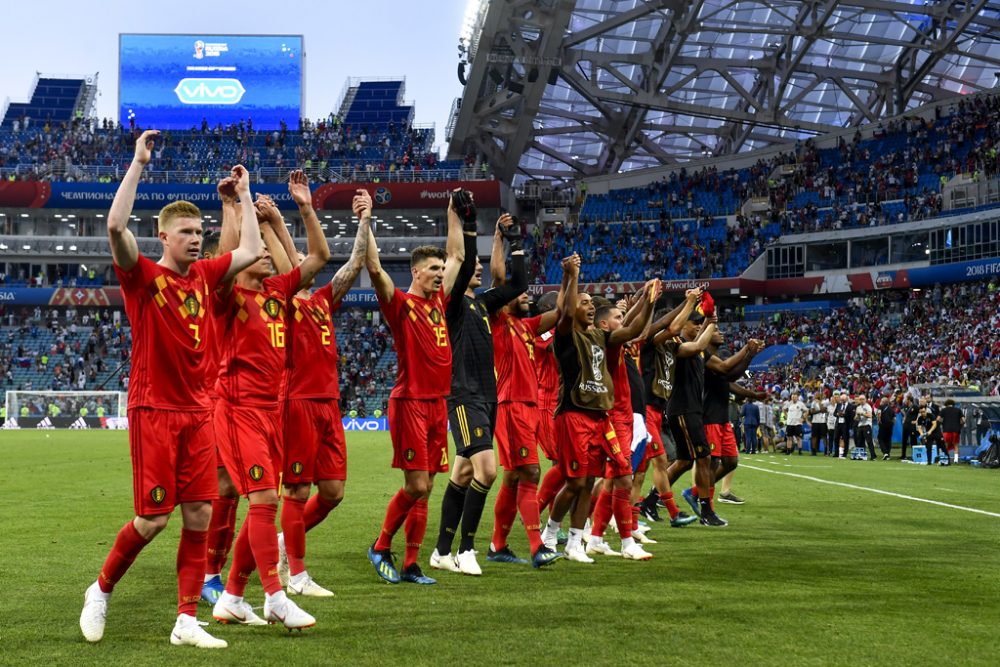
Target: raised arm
[
  {"x": 740, "y": 390},
  {"x": 699, "y": 345},
  {"x": 278, "y": 225},
  {"x": 283, "y": 263},
  {"x": 229, "y": 237},
  {"x": 725, "y": 366},
  {"x": 345, "y": 276},
  {"x": 455, "y": 247},
  {"x": 380, "y": 279},
  {"x": 318, "y": 253},
  {"x": 500, "y": 295},
  {"x": 670, "y": 324},
  {"x": 570, "y": 287},
  {"x": 498, "y": 266},
  {"x": 124, "y": 249},
  {"x": 250, "y": 247},
  {"x": 644, "y": 305},
  {"x": 739, "y": 369}
]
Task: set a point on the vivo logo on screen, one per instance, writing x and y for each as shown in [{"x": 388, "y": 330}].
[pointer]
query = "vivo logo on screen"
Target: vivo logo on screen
[{"x": 209, "y": 91}]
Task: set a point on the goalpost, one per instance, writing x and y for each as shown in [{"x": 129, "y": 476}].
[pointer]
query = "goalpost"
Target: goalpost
[{"x": 66, "y": 409}]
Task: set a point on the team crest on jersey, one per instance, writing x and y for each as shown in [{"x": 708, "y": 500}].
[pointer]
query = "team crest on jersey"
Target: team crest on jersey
[
  {"x": 158, "y": 494},
  {"x": 523, "y": 452},
  {"x": 574, "y": 465},
  {"x": 192, "y": 305},
  {"x": 435, "y": 316},
  {"x": 272, "y": 307},
  {"x": 409, "y": 454},
  {"x": 297, "y": 468},
  {"x": 256, "y": 472}
]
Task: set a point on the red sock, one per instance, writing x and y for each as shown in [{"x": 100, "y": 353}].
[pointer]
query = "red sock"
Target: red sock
[
  {"x": 694, "y": 491},
  {"x": 317, "y": 508},
  {"x": 243, "y": 562},
  {"x": 128, "y": 544},
  {"x": 672, "y": 508},
  {"x": 191, "y": 554},
  {"x": 220, "y": 533},
  {"x": 416, "y": 526},
  {"x": 264, "y": 543},
  {"x": 601, "y": 515},
  {"x": 527, "y": 505},
  {"x": 294, "y": 531},
  {"x": 622, "y": 508},
  {"x": 552, "y": 483},
  {"x": 504, "y": 513},
  {"x": 395, "y": 514},
  {"x": 635, "y": 517}
]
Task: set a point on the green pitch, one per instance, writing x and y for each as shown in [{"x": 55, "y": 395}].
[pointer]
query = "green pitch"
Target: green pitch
[{"x": 806, "y": 574}]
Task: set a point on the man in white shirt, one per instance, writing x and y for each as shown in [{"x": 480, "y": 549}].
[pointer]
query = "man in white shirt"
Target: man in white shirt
[
  {"x": 863, "y": 428},
  {"x": 817, "y": 412},
  {"x": 831, "y": 423},
  {"x": 795, "y": 410}
]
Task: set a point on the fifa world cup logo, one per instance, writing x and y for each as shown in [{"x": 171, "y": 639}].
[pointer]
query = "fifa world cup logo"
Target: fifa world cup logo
[{"x": 597, "y": 358}]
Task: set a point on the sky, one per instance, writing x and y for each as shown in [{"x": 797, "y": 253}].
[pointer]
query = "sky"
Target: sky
[{"x": 417, "y": 39}]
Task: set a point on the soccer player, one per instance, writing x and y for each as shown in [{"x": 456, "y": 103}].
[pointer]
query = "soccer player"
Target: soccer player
[
  {"x": 585, "y": 435},
  {"x": 616, "y": 496},
  {"x": 472, "y": 404},
  {"x": 256, "y": 327},
  {"x": 795, "y": 411},
  {"x": 315, "y": 451},
  {"x": 684, "y": 412},
  {"x": 952, "y": 423},
  {"x": 223, "y": 525},
  {"x": 547, "y": 375},
  {"x": 657, "y": 361},
  {"x": 170, "y": 435},
  {"x": 715, "y": 415},
  {"x": 518, "y": 417},
  {"x": 418, "y": 413}
]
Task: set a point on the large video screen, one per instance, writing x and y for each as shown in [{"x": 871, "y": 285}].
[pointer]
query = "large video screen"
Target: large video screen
[{"x": 172, "y": 82}]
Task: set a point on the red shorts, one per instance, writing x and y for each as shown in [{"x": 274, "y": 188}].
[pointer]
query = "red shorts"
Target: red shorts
[
  {"x": 172, "y": 457},
  {"x": 250, "y": 446},
  {"x": 546, "y": 437},
  {"x": 314, "y": 445},
  {"x": 623, "y": 433},
  {"x": 585, "y": 442},
  {"x": 517, "y": 428},
  {"x": 419, "y": 432},
  {"x": 721, "y": 439},
  {"x": 654, "y": 426},
  {"x": 952, "y": 438}
]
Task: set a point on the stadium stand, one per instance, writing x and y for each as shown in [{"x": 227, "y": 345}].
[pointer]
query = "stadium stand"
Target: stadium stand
[
  {"x": 892, "y": 339},
  {"x": 372, "y": 137},
  {"x": 895, "y": 176}
]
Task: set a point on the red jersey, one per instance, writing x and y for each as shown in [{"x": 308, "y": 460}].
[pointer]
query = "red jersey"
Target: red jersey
[
  {"x": 312, "y": 371},
  {"x": 619, "y": 375},
  {"x": 255, "y": 329},
  {"x": 215, "y": 321},
  {"x": 420, "y": 338},
  {"x": 514, "y": 357},
  {"x": 170, "y": 338},
  {"x": 546, "y": 371}
]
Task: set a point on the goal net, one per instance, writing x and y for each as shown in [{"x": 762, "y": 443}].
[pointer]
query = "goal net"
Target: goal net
[{"x": 65, "y": 409}]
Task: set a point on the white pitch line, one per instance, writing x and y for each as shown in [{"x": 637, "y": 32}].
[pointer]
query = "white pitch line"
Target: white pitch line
[{"x": 879, "y": 491}]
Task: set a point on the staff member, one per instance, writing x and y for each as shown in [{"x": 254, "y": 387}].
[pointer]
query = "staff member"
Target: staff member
[{"x": 886, "y": 422}]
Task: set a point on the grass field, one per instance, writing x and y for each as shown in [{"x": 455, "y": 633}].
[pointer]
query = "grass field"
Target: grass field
[{"x": 806, "y": 574}]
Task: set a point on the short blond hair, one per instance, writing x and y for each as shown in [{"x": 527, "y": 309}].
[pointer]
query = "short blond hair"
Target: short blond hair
[{"x": 177, "y": 209}]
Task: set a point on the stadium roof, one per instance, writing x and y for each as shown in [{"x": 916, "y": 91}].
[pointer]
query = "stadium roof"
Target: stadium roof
[{"x": 615, "y": 85}]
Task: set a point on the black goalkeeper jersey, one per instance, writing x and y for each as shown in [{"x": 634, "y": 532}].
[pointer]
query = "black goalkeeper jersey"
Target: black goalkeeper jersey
[{"x": 473, "y": 376}]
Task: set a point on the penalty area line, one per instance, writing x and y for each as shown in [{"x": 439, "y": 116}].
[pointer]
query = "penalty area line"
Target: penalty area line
[{"x": 868, "y": 488}]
